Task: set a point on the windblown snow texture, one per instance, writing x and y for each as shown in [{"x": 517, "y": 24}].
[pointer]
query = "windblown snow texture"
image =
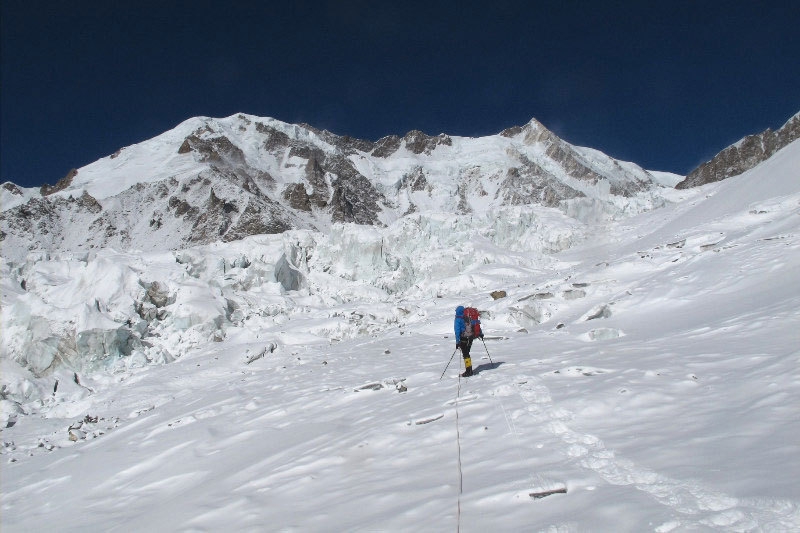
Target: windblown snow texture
[{"x": 643, "y": 369}]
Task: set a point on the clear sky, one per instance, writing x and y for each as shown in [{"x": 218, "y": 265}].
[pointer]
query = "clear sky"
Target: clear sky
[{"x": 663, "y": 84}]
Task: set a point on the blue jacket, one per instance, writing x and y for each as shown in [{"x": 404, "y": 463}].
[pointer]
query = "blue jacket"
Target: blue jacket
[{"x": 458, "y": 324}]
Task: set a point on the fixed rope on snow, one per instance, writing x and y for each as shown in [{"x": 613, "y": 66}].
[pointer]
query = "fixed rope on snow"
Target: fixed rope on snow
[{"x": 458, "y": 444}]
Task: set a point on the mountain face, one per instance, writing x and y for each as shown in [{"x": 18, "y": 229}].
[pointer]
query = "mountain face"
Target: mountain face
[
  {"x": 213, "y": 180},
  {"x": 312, "y": 367},
  {"x": 743, "y": 155}
]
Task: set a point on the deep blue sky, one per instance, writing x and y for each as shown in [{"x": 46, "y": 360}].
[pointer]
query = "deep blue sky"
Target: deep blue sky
[{"x": 663, "y": 84}]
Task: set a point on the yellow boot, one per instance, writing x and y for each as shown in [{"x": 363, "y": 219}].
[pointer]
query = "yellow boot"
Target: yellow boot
[{"x": 468, "y": 364}]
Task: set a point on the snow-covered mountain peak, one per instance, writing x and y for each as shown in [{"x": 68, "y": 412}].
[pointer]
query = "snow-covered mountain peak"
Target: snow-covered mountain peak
[
  {"x": 535, "y": 132},
  {"x": 212, "y": 179},
  {"x": 285, "y": 379},
  {"x": 244, "y": 322}
]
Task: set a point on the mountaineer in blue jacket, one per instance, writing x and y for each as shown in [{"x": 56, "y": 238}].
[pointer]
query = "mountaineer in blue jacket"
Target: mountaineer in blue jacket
[{"x": 465, "y": 332}]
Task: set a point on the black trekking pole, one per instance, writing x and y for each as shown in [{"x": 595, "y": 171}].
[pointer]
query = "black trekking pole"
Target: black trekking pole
[
  {"x": 448, "y": 363},
  {"x": 487, "y": 350}
]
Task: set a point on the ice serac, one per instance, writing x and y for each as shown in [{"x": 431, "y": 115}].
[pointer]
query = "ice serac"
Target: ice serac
[
  {"x": 743, "y": 155},
  {"x": 220, "y": 180}
]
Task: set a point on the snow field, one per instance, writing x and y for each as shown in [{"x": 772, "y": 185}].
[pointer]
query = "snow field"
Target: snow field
[
  {"x": 652, "y": 372},
  {"x": 322, "y": 435}
]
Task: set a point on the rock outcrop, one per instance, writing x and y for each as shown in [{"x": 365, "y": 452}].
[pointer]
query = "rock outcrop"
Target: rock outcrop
[{"x": 743, "y": 155}]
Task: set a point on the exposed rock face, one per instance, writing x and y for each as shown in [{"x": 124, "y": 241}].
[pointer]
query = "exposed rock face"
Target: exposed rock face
[
  {"x": 576, "y": 165},
  {"x": 40, "y": 219},
  {"x": 512, "y": 131},
  {"x": 387, "y": 146},
  {"x": 215, "y": 149},
  {"x": 62, "y": 184},
  {"x": 158, "y": 295},
  {"x": 417, "y": 142},
  {"x": 354, "y": 197},
  {"x": 744, "y": 155},
  {"x": 355, "y": 200},
  {"x": 275, "y": 139},
  {"x": 297, "y": 197},
  {"x": 226, "y": 179},
  {"x": 13, "y": 189},
  {"x": 529, "y": 184},
  {"x": 258, "y": 217},
  {"x": 415, "y": 180}
]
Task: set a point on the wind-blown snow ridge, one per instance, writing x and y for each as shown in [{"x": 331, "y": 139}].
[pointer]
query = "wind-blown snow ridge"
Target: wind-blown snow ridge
[{"x": 647, "y": 365}]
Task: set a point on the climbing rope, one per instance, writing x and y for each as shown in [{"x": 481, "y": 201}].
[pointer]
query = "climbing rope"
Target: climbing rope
[
  {"x": 460, "y": 472},
  {"x": 533, "y": 478}
]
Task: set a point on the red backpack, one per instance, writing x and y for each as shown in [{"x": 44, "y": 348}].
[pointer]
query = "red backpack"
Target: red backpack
[{"x": 472, "y": 322}]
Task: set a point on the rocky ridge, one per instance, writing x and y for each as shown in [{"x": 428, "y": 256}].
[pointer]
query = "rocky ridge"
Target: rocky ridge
[
  {"x": 743, "y": 155},
  {"x": 211, "y": 180}
]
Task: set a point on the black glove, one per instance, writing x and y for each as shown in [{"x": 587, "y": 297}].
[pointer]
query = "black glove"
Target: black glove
[{"x": 481, "y": 336}]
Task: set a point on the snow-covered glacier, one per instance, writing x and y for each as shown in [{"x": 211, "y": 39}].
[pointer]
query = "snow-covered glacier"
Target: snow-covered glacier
[{"x": 640, "y": 357}]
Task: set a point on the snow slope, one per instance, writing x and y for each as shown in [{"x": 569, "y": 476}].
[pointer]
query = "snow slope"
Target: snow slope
[{"x": 651, "y": 372}]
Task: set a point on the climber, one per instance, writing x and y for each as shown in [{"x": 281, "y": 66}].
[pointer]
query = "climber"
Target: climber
[{"x": 467, "y": 326}]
